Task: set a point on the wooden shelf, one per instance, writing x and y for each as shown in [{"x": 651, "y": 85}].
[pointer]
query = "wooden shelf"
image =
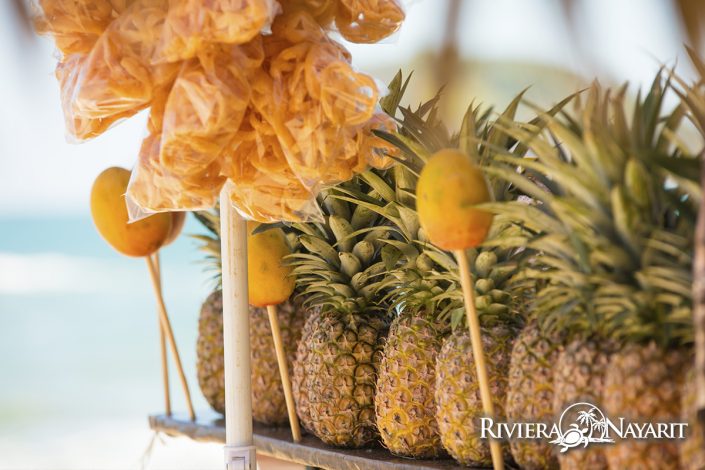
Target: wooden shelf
[{"x": 276, "y": 442}]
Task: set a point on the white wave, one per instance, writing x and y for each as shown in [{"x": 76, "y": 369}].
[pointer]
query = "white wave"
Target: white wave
[{"x": 38, "y": 273}]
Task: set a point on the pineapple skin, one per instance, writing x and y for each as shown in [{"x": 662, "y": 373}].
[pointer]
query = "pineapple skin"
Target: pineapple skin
[
  {"x": 643, "y": 383},
  {"x": 299, "y": 379},
  {"x": 530, "y": 394},
  {"x": 459, "y": 405},
  {"x": 268, "y": 402},
  {"x": 692, "y": 450},
  {"x": 580, "y": 377},
  {"x": 210, "y": 359},
  {"x": 344, "y": 352},
  {"x": 405, "y": 405}
]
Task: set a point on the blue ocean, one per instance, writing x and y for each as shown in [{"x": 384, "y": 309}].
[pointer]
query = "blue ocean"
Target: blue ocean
[{"x": 79, "y": 348}]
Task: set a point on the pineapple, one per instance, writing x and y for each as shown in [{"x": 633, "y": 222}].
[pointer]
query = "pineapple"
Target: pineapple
[
  {"x": 425, "y": 286},
  {"x": 210, "y": 364},
  {"x": 336, "y": 365},
  {"x": 417, "y": 413},
  {"x": 268, "y": 402},
  {"x": 298, "y": 377},
  {"x": 458, "y": 391},
  {"x": 580, "y": 377},
  {"x": 404, "y": 404},
  {"x": 530, "y": 394},
  {"x": 692, "y": 451},
  {"x": 614, "y": 228},
  {"x": 645, "y": 383}
]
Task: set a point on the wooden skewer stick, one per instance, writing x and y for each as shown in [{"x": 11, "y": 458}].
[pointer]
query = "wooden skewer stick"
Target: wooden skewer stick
[
  {"x": 477, "y": 351},
  {"x": 284, "y": 372},
  {"x": 166, "y": 325},
  {"x": 162, "y": 344}
]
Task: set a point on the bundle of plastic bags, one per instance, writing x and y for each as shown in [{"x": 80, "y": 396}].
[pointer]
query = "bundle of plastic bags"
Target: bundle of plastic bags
[{"x": 275, "y": 115}]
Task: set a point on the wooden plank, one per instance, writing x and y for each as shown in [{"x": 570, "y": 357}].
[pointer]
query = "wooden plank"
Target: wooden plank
[{"x": 276, "y": 442}]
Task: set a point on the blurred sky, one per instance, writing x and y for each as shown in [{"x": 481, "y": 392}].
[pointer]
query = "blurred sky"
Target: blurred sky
[{"x": 615, "y": 39}]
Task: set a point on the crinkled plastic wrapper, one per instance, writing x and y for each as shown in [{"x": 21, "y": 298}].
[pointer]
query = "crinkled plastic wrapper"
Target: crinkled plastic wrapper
[
  {"x": 153, "y": 188},
  {"x": 192, "y": 24},
  {"x": 277, "y": 116},
  {"x": 359, "y": 21},
  {"x": 118, "y": 76},
  {"x": 76, "y": 25},
  {"x": 316, "y": 104},
  {"x": 206, "y": 106}
]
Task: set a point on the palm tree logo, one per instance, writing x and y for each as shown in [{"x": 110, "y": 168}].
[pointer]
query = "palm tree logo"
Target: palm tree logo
[{"x": 589, "y": 426}]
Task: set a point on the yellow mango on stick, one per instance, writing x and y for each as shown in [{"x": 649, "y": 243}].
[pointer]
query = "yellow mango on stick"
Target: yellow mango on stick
[
  {"x": 109, "y": 212},
  {"x": 270, "y": 280},
  {"x": 449, "y": 187}
]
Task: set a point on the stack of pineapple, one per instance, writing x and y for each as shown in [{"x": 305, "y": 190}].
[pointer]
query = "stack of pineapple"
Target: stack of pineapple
[
  {"x": 614, "y": 231},
  {"x": 582, "y": 287}
]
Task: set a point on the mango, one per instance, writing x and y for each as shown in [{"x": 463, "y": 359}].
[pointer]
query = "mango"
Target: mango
[
  {"x": 449, "y": 187},
  {"x": 109, "y": 212},
  {"x": 269, "y": 278},
  {"x": 178, "y": 219}
]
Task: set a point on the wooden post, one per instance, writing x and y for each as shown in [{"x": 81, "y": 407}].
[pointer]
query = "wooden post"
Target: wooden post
[
  {"x": 284, "y": 372},
  {"x": 239, "y": 449},
  {"x": 162, "y": 344},
  {"x": 477, "y": 351},
  {"x": 699, "y": 302},
  {"x": 166, "y": 325}
]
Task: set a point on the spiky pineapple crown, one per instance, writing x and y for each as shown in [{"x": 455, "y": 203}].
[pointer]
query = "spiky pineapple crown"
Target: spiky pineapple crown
[
  {"x": 340, "y": 264},
  {"x": 421, "y": 276},
  {"x": 612, "y": 224}
]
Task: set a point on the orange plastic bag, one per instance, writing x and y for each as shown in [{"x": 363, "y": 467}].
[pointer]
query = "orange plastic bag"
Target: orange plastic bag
[
  {"x": 313, "y": 99},
  {"x": 153, "y": 188},
  {"x": 75, "y": 25},
  {"x": 359, "y": 21},
  {"x": 279, "y": 116},
  {"x": 118, "y": 77},
  {"x": 368, "y": 21},
  {"x": 191, "y": 25},
  {"x": 206, "y": 105},
  {"x": 262, "y": 185}
]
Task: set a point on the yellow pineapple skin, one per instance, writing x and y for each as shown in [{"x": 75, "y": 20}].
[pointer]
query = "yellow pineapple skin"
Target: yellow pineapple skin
[
  {"x": 459, "y": 405},
  {"x": 530, "y": 395},
  {"x": 300, "y": 382},
  {"x": 692, "y": 450},
  {"x": 268, "y": 402},
  {"x": 209, "y": 352},
  {"x": 405, "y": 405},
  {"x": 340, "y": 373},
  {"x": 644, "y": 383},
  {"x": 580, "y": 377}
]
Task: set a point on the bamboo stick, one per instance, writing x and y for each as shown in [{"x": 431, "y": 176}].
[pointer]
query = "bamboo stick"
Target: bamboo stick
[
  {"x": 477, "y": 351},
  {"x": 236, "y": 330},
  {"x": 165, "y": 371},
  {"x": 284, "y": 372},
  {"x": 162, "y": 343},
  {"x": 166, "y": 325}
]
